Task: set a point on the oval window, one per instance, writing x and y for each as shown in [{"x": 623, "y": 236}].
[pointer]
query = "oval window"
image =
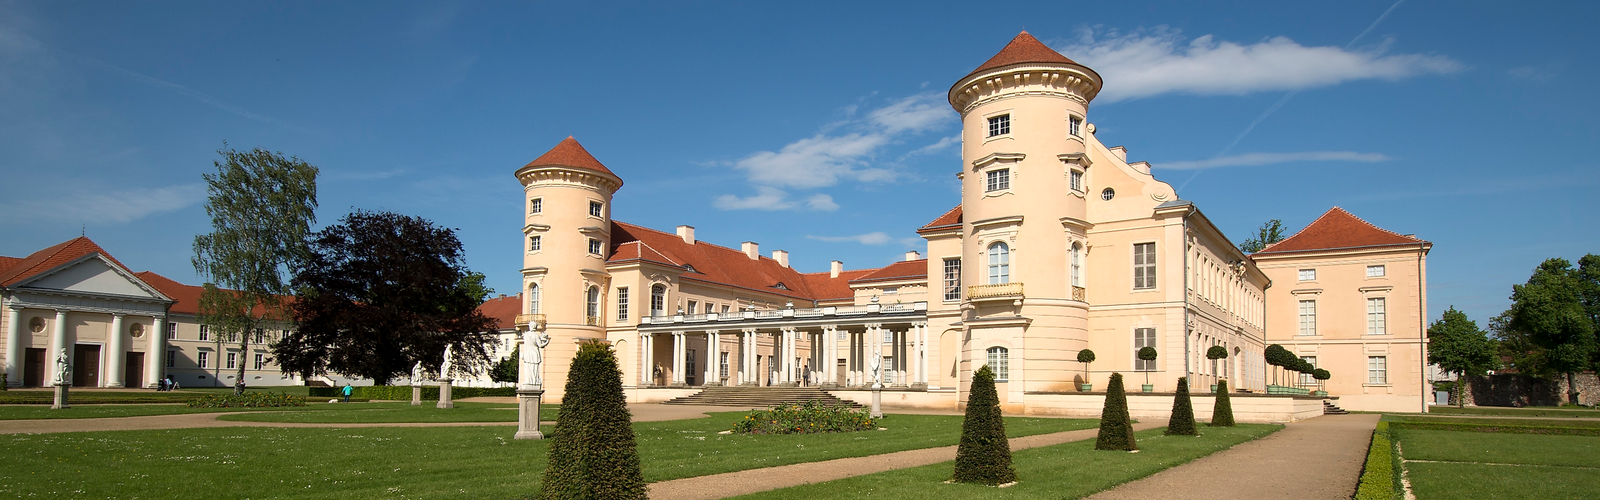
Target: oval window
[{"x": 1108, "y": 194}]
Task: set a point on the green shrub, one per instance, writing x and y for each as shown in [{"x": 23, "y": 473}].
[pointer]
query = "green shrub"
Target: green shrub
[
  {"x": 1182, "y": 421},
  {"x": 1116, "y": 429},
  {"x": 810, "y": 417},
  {"x": 592, "y": 452},
  {"x": 1222, "y": 413},
  {"x": 247, "y": 400},
  {"x": 1216, "y": 352},
  {"x": 403, "y": 392},
  {"x": 984, "y": 455},
  {"x": 1377, "y": 477}
]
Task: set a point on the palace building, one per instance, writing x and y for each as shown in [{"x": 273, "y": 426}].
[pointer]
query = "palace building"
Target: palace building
[{"x": 1058, "y": 244}]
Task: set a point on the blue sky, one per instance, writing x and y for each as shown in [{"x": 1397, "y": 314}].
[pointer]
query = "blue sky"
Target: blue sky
[{"x": 815, "y": 127}]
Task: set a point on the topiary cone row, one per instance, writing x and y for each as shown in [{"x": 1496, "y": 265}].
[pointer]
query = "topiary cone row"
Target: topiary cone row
[
  {"x": 1116, "y": 429},
  {"x": 1222, "y": 413},
  {"x": 984, "y": 455},
  {"x": 1182, "y": 422}
]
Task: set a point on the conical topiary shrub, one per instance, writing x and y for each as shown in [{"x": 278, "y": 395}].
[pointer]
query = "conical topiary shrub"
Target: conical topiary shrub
[
  {"x": 1182, "y": 422},
  {"x": 592, "y": 452},
  {"x": 984, "y": 455},
  {"x": 1116, "y": 429},
  {"x": 1222, "y": 413}
]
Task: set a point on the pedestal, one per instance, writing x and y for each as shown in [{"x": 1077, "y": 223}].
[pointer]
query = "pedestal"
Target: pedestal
[
  {"x": 528, "y": 402},
  {"x": 444, "y": 395},
  {"x": 416, "y": 394},
  {"x": 61, "y": 398},
  {"x": 877, "y": 402}
]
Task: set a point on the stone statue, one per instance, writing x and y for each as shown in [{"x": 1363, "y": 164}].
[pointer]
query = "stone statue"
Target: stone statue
[
  {"x": 876, "y": 362},
  {"x": 444, "y": 369},
  {"x": 63, "y": 369},
  {"x": 416, "y": 373},
  {"x": 535, "y": 360}
]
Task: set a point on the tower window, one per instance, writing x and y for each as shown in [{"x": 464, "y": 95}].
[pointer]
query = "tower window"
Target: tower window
[
  {"x": 596, "y": 208},
  {"x": 533, "y": 243},
  {"x": 594, "y": 246},
  {"x": 1107, "y": 194},
  {"x": 536, "y": 206},
  {"x": 999, "y": 264},
  {"x": 533, "y": 298},
  {"x": 1076, "y": 179},
  {"x": 999, "y": 125},
  {"x": 998, "y": 180},
  {"x": 1075, "y": 126},
  {"x": 591, "y": 307}
]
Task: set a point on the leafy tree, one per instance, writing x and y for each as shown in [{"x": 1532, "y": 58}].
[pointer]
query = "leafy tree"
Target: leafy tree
[
  {"x": 1215, "y": 353},
  {"x": 1116, "y": 428},
  {"x": 262, "y": 206},
  {"x": 1322, "y": 377},
  {"x": 592, "y": 452},
  {"x": 1182, "y": 421},
  {"x": 507, "y": 369},
  {"x": 1457, "y": 345},
  {"x": 1222, "y": 411},
  {"x": 1270, "y": 232},
  {"x": 1276, "y": 355},
  {"x": 1086, "y": 356},
  {"x": 1147, "y": 353},
  {"x": 1550, "y": 309},
  {"x": 984, "y": 455},
  {"x": 380, "y": 292}
]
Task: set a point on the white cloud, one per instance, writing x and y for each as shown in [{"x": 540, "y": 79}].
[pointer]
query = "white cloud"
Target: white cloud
[
  {"x": 1154, "y": 62},
  {"x": 771, "y": 198},
  {"x": 817, "y": 161},
  {"x": 116, "y": 205},
  {"x": 872, "y": 238},
  {"x": 1254, "y": 159},
  {"x": 822, "y": 203},
  {"x": 936, "y": 147},
  {"x": 918, "y": 113}
]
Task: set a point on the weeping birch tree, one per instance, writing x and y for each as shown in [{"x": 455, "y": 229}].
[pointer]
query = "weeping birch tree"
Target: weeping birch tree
[{"x": 262, "y": 206}]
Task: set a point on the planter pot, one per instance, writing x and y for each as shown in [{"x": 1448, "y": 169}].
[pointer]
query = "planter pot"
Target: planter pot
[
  {"x": 1213, "y": 388},
  {"x": 1149, "y": 388},
  {"x": 1085, "y": 387},
  {"x": 1321, "y": 393}
]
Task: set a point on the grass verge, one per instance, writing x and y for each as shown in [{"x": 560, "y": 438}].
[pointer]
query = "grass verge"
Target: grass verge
[
  {"x": 1470, "y": 465},
  {"x": 367, "y": 413},
  {"x": 1071, "y": 470},
  {"x": 1497, "y": 411}
]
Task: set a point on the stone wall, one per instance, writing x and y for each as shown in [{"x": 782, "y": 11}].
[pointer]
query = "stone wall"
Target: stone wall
[{"x": 1523, "y": 390}]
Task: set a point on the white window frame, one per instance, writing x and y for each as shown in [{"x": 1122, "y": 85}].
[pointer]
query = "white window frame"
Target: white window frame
[
  {"x": 591, "y": 304},
  {"x": 203, "y": 359},
  {"x": 1075, "y": 180},
  {"x": 261, "y": 361},
  {"x": 233, "y": 360},
  {"x": 1075, "y": 126},
  {"x": 658, "y": 300},
  {"x": 722, "y": 368},
  {"x": 999, "y": 263},
  {"x": 1306, "y": 274},
  {"x": 533, "y": 298},
  {"x": 1377, "y": 370},
  {"x": 1144, "y": 266},
  {"x": 999, "y": 359},
  {"x": 536, "y": 205},
  {"x": 997, "y": 180},
  {"x": 1377, "y": 316},
  {"x": 1382, "y": 271},
  {"x": 622, "y": 303},
  {"x": 1142, "y": 338},
  {"x": 693, "y": 304},
  {"x": 596, "y": 247},
  {"x": 205, "y": 332},
  {"x": 597, "y": 209},
  {"x": 952, "y": 279},
  {"x": 172, "y": 331},
  {"x": 1307, "y": 313},
  {"x": 998, "y": 125},
  {"x": 1077, "y": 264},
  {"x": 535, "y": 243}
]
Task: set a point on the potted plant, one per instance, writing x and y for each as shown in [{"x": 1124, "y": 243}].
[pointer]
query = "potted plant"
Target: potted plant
[
  {"x": 1215, "y": 353},
  {"x": 1086, "y": 356},
  {"x": 1322, "y": 377},
  {"x": 1147, "y": 353}
]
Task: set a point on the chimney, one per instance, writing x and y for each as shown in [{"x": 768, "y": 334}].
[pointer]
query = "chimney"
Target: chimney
[
  {"x": 912, "y": 255},
  {"x": 782, "y": 256},
  {"x": 834, "y": 268},
  {"x": 1120, "y": 152},
  {"x": 687, "y": 233},
  {"x": 751, "y": 250}
]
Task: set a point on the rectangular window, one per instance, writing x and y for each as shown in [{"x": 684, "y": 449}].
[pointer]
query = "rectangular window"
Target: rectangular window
[
  {"x": 1076, "y": 176},
  {"x": 261, "y": 336},
  {"x": 710, "y": 308},
  {"x": 722, "y": 367},
  {"x": 622, "y": 303},
  {"x": 534, "y": 242},
  {"x": 172, "y": 359},
  {"x": 1308, "y": 275},
  {"x": 1144, "y": 266},
  {"x": 998, "y": 180},
  {"x": 1306, "y": 378},
  {"x": 840, "y": 334},
  {"x": 205, "y": 332},
  {"x": 205, "y": 359},
  {"x": 952, "y": 279},
  {"x": 172, "y": 331},
  {"x": 1377, "y": 370},
  {"x": 724, "y": 309},
  {"x": 692, "y": 306},
  {"x": 595, "y": 209},
  {"x": 536, "y": 206},
  {"x": 1308, "y": 317},
  {"x": 1000, "y": 362},
  {"x": 1142, "y": 338},
  {"x": 1375, "y": 271},
  {"x": 233, "y": 360},
  {"x": 888, "y": 336},
  {"x": 1375, "y": 317},
  {"x": 999, "y": 125},
  {"x": 1075, "y": 126},
  {"x": 261, "y": 361},
  {"x": 594, "y": 246}
]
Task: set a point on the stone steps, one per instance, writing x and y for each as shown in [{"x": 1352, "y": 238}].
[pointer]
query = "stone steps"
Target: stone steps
[
  {"x": 1332, "y": 409},
  {"x": 754, "y": 397}
]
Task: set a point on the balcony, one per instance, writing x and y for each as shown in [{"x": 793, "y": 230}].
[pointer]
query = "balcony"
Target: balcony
[
  {"x": 1080, "y": 294},
  {"x": 533, "y": 321},
  {"x": 994, "y": 292},
  {"x": 591, "y": 320}
]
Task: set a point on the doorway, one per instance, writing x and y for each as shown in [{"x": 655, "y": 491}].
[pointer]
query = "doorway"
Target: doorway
[
  {"x": 133, "y": 370},
  {"x": 33, "y": 367},
  {"x": 86, "y": 365}
]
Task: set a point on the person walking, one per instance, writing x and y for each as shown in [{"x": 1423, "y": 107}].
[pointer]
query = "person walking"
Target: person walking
[{"x": 347, "y": 392}]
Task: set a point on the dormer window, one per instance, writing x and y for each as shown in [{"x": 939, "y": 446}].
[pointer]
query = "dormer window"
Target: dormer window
[
  {"x": 780, "y": 286},
  {"x": 689, "y": 268},
  {"x": 999, "y": 125}
]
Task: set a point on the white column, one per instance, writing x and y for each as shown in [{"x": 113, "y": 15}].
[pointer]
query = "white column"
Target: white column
[
  {"x": 58, "y": 346},
  {"x": 789, "y": 336},
  {"x": 644, "y": 359},
  {"x": 922, "y": 352},
  {"x": 14, "y": 345},
  {"x": 827, "y": 356},
  {"x": 116, "y": 352},
  {"x": 713, "y": 355},
  {"x": 677, "y": 358},
  {"x": 155, "y": 358}
]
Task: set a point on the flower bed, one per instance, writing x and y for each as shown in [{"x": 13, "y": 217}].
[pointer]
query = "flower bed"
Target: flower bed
[
  {"x": 811, "y": 417},
  {"x": 247, "y": 400}
]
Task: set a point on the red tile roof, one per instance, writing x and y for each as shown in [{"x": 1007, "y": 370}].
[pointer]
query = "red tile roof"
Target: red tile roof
[
  {"x": 569, "y": 153},
  {"x": 712, "y": 263},
  {"x": 946, "y": 221},
  {"x": 827, "y": 288},
  {"x": 503, "y": 310},
  {"x": 51, "y": 258},
  {"x": 1024, "y": 49},
  {"x": 186, "y": 298},
  {"x": 1338, "y": 229},
  {"x": 7, "y": 262},
  {"x": 899, "y": 271}
]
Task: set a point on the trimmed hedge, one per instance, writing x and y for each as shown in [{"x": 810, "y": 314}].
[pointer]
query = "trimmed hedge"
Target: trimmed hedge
[
  {"x": 592, "y": 453},
  {"x": 1222, "y": 411},
  {"x": 1509, "y": 429},
  {"x": 984, "y": 455},
  {"x": 247, "y": 400},
  {"x": 1378, "y": 476},
  {"x": 1182, "y": 421},
  {"x": 1116, "y": 429},
  {"x": 810, "y": 417},
  {"x": 403, "y": 392}
]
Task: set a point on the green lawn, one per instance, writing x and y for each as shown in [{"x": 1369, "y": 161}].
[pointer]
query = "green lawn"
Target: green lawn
[
  {"x": 1508, "y": 448},
  {"x": 1497, "y": 411},
  {"x": 1071, "y": 470},
  {"x": 1457, "y": 464},
  {"x": 33, "y": 412},
  {"x": 392, "y": 413},
  {"x": 1521, "y": 422},
  {"x": 42, "y": 397},
  {"x": 458, "y": 462}
]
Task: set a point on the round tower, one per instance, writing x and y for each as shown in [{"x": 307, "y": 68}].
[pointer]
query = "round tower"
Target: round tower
[
  {"x": 1024, "y": 116},
  {"x": 566, "y": 237}
]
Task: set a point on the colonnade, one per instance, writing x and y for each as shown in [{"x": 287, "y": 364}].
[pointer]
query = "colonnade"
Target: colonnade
[
  {"x": 795, "y": 355},
  {"x": 115, "y": 353}
]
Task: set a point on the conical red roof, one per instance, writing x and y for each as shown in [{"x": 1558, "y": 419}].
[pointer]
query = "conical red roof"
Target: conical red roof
[
  {"x": 1024, "y": 49},
  {"x": 570, "y": 154},
  {"x": 1337, "y": 229}
]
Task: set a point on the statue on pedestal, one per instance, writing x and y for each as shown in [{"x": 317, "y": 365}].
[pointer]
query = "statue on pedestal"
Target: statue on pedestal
[
  {"x": 416, "y": 374},
  {"x": 444, "y": 369},
  {"x": 535, "y": 360},
  {"x": 63, "y": 369},
  {"x": 876, "y": 362}
]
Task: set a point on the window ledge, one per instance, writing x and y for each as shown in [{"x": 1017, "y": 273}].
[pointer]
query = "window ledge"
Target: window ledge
[{"x": 1377, "y": 385}]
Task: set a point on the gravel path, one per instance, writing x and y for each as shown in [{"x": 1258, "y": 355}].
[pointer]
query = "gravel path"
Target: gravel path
[
  {"x": 771, "y": 478},
  {"x": 1310, "y": 459}
]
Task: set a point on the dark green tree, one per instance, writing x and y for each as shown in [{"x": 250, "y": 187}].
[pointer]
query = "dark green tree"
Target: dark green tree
[
  {"x": 1550, "y": 309},
  {"x": 1147, "y": 353},
  {"x": 262, "y": 206},
  {"x": 507, "y": 369},
  {"x": 1182, "y": 421},
  {"x": 1214, "y": 354},
  {"x": 1222, "y": 411},
  {"x": 1458, "y": 346},
  {"x": 380, "y": 292},
  {"x": 1086, "y": 356},
  {"x": 1270, "y": 232},
  {"x": 1276, "y": 355},
  {"x": 1116, "y": 428},
  {"x": 592, "y": 452},
  {"x": 984, "y": 455},
  {"x": 1322, "y": 377}
]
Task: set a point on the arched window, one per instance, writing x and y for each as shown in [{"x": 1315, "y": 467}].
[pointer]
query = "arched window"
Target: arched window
[
  {"x": 533, "y": 298},
  {"x": 999, "y": 264},
  {"x": 658, "y": 300},
  {"x": 1077, "y": 264},
  {"x": 592, "y": 307},
  {"x": 1000, "y": 362}
]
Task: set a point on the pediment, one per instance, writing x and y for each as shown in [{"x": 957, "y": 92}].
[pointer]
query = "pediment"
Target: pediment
[{"x": 93, "y": 275}]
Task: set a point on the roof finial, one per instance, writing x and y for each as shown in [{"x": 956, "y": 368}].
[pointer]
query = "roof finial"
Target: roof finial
[{"x": 84, "y": 230}]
